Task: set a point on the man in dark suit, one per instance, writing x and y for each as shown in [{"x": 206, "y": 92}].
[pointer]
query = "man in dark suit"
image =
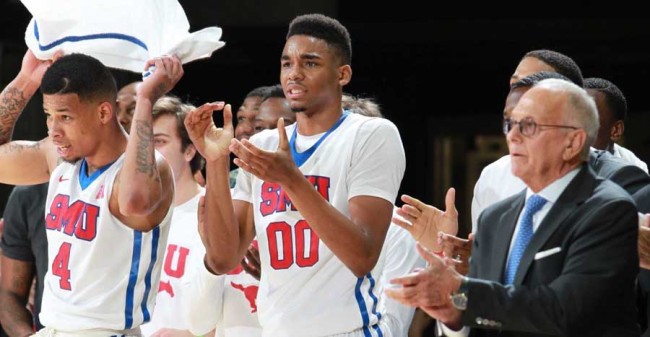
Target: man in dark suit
[
  {"x": 630, "y": 177},
  {"x": 642, "y": 199},
  {"x": 559, "y": 258}
]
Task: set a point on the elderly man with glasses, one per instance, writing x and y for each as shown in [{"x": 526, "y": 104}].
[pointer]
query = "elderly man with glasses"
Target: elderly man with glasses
[{"x": 558, "y": 258}]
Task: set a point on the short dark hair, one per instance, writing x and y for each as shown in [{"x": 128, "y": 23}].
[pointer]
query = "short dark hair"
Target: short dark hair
[
  {"x": 82, "y": 75},
  {"x": 274, "y": 91},
  {"x": 532, "y": 79},
  {"x": 360, "y": 105},
  {"x": 259, "y": 91},
  {"x": 325, "y": 28},
  {"x": 614, "y": 97},
  {"x": 560, "y": 62},
  {"x": 170, "y": 105}
]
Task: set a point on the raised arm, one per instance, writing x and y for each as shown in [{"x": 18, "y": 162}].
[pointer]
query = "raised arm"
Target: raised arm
[
  {"x": 24, "y": 162},
  {"x": 145, "y": 189},
  {"x": 227, "y": 226}
]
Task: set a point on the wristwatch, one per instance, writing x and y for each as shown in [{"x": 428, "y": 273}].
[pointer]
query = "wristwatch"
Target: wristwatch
[{"x": 459, "y": 297}]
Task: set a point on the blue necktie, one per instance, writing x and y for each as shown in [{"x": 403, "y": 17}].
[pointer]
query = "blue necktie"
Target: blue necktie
[{"x": 533, "y": 205}]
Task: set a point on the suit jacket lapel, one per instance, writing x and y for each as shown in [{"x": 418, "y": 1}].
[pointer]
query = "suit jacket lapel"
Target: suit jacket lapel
[
  {"x": 505, "y": 229},
  {"x": 574, "y": 194}
]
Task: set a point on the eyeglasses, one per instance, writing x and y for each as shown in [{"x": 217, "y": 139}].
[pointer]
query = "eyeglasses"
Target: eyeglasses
[{"x": 528, "y": 127}]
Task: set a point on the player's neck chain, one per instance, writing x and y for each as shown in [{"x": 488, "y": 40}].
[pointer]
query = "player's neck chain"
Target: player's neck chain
[{"x": 301, "y": 157}]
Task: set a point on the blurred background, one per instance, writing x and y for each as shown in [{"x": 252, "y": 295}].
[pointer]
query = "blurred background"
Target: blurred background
[{"x": 439, "y": 73}]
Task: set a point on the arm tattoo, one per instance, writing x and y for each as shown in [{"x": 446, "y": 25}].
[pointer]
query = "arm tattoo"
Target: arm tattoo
[
  {"x": 10, "y": 148},
  {"x": 146, "y": 160},
  {"x": 12, "y": 102},
  {"x": 160, "y": 90}
]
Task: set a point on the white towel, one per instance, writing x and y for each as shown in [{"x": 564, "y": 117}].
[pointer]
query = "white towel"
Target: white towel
[{"x": 122, "y": 34}]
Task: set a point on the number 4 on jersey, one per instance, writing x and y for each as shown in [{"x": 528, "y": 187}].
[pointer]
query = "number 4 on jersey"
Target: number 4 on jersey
[{"x": 60, "y": 266}]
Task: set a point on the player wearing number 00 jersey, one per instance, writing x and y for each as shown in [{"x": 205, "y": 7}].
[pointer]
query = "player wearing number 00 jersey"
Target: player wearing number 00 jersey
[
  {"x": 84, "y": 241},
  {"x": 316, "y": 292}
]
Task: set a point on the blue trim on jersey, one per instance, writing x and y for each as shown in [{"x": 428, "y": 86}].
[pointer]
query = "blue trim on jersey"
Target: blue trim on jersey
[
  {"x": 147, "y": 279},
  {"x": 84, "y": 179},
  {"x": 133, "y": 277},
  {"x": 302, "y": 157},
  {"x": 362, "y": 307},
  {"x": 374, "y": 305},
  {"x": 72, "y": 38}
]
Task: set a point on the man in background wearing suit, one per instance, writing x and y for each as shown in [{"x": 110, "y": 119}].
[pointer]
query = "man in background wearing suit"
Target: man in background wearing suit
[{"x": 559, "y": 258}]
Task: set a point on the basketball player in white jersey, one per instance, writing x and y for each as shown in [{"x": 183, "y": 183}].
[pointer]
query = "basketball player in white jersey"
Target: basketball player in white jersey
[
  {"x": 109, "y": 198},
  {"x": 184, "y": 251},
  {"x": 319, "y": 203}
]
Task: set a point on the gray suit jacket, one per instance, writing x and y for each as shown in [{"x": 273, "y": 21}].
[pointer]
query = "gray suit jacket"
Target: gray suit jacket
[{"x": 585, "y": 288}]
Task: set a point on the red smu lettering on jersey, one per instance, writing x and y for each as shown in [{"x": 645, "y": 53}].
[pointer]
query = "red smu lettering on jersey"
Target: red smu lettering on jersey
[
  {"x": 275, "y": 199},
  {"x": 171, "y": 270},
  {"x": 166, "y": 287},
  {"x": 178, "y": 270},
  {"x": 78, "y": 220}
]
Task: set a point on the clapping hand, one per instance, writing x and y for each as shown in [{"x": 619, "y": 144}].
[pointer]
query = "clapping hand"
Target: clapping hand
[{"x": 424, "y": 222}]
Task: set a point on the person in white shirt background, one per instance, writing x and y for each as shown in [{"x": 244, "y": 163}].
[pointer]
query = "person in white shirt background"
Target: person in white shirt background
[{"x": 184, "y": 250}]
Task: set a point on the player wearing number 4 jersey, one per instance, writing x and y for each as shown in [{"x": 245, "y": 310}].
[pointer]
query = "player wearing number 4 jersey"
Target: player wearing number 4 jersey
[
  {"x": 318, "y": 194},
  {"x": 73, "y": 199},
  {"x": 108, "y": 203}
]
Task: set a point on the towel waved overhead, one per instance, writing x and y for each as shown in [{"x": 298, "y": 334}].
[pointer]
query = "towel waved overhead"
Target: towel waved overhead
[{"x": 122, "y": 34}]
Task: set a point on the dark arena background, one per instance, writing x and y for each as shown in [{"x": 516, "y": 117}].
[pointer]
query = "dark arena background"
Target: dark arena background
[{"x": 439, "y": 70}]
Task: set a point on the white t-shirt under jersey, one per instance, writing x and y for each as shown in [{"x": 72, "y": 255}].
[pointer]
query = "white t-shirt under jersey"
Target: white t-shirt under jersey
[{"x": 305, "y": 289}]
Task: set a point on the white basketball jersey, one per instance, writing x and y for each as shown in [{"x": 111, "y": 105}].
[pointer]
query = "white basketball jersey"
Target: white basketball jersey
[
  {"x": 102, "y": 274},
  {"x": 183, "y": 254},
  {"x": 305, "y": 289}
]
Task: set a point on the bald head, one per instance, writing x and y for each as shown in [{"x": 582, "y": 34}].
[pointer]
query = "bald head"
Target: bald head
[
  {"x": 581, "y": 107},
  {"x": 568, "y": 103},
  {"x": 550, "y": 131}
]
